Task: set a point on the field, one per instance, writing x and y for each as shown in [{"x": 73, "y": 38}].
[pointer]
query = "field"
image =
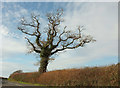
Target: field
[{"x": 89, "y": 76}]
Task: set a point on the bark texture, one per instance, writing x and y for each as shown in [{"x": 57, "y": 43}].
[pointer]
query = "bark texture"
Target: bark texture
[{"x": 43, "y": 64}]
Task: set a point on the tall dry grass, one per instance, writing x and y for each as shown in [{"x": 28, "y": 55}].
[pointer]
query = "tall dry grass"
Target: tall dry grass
[{"x": 89, "y": 76}]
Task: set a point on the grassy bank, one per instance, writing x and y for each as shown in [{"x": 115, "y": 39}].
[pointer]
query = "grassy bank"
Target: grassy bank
[
  {"x": 89, "y": 76},
  {"x": 31, "y": 84}
]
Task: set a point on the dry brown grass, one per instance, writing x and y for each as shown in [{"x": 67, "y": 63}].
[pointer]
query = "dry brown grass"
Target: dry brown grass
[{"x": 89, "y": 76}]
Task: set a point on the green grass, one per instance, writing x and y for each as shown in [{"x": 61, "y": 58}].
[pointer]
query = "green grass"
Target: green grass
[{"x": 12, "y": 80}]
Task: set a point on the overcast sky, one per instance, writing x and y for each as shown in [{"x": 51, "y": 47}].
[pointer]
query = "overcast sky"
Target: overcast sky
[{"x": 99, "y": 18}]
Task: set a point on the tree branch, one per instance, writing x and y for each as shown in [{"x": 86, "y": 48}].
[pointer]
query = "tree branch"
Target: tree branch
[
  {"x": 38, "y": 24},
  {"x": 27, "y": 24},
  {"x": 38, "y": 41},
  {"x": 22, "y": 30},
  {"x": 58, "y": 50},
  {"x": 34, "y": 48},
  {"x": 31, "y": 24},
  {"x": 82, "y": 42}
]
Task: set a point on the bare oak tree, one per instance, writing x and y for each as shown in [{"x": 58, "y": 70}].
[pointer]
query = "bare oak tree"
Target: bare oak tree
[{"x": 55, "y": 39}]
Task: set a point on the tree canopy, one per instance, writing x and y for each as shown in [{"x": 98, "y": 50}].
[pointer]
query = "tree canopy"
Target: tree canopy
[{"x": 54, "y": 38}]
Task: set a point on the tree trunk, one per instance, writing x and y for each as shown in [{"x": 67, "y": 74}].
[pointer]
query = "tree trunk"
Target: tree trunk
[{"x": 43, "y": 65}]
